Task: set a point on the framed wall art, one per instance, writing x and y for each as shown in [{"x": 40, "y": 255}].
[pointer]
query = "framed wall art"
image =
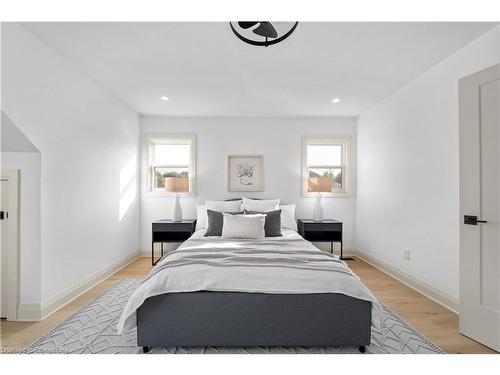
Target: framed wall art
[{"x": 245, "y": 173}]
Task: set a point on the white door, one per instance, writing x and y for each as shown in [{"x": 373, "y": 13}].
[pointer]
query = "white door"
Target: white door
[
  {"x": 480, "y": 206},
  {"x": 4, "y": 186},
  {"x": 9, "y": 205}
]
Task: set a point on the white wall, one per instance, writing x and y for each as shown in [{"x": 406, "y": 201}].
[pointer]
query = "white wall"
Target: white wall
[
  {"x": 12, "y": 139},
  {"x": 89, "y": 144},
  {"x": 278, "y": 139},
  {"x": 29, "y": 223},
  {"x": 408, "y": 171}
]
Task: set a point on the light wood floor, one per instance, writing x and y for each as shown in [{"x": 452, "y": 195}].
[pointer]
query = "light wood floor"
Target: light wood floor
[{"x": 431, "y": 319}]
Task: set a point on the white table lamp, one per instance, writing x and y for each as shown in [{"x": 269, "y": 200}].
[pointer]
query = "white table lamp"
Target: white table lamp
[
  {"x": 176, "y": 185},
  {"x": 319, "y": 185}
]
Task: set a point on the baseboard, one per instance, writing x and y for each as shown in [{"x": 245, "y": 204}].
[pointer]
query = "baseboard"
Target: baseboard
[
  {"x": 33, "y": 312},
  {"x": 444, "y": 299},
  {"x": 29, "y": 312},
  {"x": 348, "y": 252}
]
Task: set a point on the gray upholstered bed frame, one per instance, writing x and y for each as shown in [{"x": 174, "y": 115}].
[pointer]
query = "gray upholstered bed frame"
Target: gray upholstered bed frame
[{"x": 253, "y": 319}]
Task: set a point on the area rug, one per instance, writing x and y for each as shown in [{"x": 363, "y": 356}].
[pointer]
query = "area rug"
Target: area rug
[{"x": 92, "y": 329}]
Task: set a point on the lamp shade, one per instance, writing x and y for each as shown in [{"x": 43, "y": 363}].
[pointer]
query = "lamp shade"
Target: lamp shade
[
  {"x": 176, "y": 184},
  {"x": 318, "y": 184}
]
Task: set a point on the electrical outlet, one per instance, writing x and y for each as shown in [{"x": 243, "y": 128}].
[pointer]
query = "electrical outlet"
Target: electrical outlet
[{"x": 407, "y": 254}]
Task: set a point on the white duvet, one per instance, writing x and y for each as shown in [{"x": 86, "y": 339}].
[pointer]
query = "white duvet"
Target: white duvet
[{"x": 280, "y": 265}]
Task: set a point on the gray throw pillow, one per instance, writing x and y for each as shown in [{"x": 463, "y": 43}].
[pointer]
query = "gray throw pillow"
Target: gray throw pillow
[
  {"x": 272, "y": 226},
  {"x": 215, "y": 222}
]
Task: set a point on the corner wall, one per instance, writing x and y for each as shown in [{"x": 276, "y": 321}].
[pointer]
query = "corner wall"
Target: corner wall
[
  {"x": 408, "y": 171},
  {"x": 89, "y": 145},
  {"x": 18, "y": 153},
  {"x": 29, "y": 223}
]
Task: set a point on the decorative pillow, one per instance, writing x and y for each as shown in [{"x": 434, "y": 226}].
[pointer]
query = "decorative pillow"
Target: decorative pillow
[
  {"x": 272, "y": 226},
  {"x": 288, "y": 217},
  {"x": 243, "y": 226},
  {"x": 215, "y": 223},
  {"x": 263, "y": 205}
]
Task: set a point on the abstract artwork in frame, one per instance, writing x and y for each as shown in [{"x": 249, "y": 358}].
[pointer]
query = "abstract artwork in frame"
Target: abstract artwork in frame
[{"x": 245, "y": 173}]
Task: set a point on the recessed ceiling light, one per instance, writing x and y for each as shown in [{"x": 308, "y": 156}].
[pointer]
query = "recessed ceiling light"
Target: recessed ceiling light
[
  {"x": 336, "y": 100},
  {"x": 164, "y": 98}
]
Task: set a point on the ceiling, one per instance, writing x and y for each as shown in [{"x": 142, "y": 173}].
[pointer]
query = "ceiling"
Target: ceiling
[{"x": 206, "y": 71}]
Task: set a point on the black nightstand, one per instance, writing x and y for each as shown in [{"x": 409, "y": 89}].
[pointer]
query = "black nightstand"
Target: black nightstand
[
  {"x": 326, "y": 230},
  {"x": 170, "y": 231}
]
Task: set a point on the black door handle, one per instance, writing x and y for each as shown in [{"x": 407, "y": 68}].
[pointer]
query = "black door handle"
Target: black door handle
[{"x": 472, "y": 220}]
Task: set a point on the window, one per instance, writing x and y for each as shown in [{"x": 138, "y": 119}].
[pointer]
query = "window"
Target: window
[
  {"x": 325, "y": 166},
  {"x": 171, "y": 166}
]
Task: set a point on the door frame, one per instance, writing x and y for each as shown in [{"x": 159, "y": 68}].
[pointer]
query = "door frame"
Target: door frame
[{"x": 12, "y": 176}]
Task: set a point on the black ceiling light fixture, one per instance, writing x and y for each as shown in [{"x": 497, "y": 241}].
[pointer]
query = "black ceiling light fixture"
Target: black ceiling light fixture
[{"x": 263, "y": 33}]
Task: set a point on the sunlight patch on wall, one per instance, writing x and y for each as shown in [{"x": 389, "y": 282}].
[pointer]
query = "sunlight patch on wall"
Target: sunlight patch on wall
[
  {"x": 128, "y": 187},
  {"x": 126, "y": 200},
  {"x": 128, "y": 173}
]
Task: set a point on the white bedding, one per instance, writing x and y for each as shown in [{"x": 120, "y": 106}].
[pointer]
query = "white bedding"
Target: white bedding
[{"x": 275, "y": 265}]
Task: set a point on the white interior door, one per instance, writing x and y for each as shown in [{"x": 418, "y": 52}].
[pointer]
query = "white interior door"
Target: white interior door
[
  {"x": 480, "y": 206},
  {"x": 4, "y": 186},
  {"x": 9, "y": 287}
]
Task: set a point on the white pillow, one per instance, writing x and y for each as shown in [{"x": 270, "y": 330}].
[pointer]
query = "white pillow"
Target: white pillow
[
  {"x": 263, "y": 205},
  {"x": 288, "y": 217},
  {"x": 201, "y": 217},
  {"x": 224, "y": 206},
  {"x": 219, "y": 206},
  {"x": 243, "y": 226}
]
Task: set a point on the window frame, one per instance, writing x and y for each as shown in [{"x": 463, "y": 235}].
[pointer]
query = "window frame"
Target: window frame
[
  {"x": 346, "y": 143},
  {"x": 149, "y": 141}
]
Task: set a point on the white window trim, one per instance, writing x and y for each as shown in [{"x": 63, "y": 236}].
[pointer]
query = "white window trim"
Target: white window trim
[
  {"x": 148, "y": 140},
  {"x": 346, "y": 176}
]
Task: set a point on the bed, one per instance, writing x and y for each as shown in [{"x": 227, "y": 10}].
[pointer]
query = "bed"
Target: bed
[{"x": 280, "y": 291}]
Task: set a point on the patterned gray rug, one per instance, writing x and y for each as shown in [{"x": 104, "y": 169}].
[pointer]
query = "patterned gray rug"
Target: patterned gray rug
[{"x": 93, "y": 330}]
